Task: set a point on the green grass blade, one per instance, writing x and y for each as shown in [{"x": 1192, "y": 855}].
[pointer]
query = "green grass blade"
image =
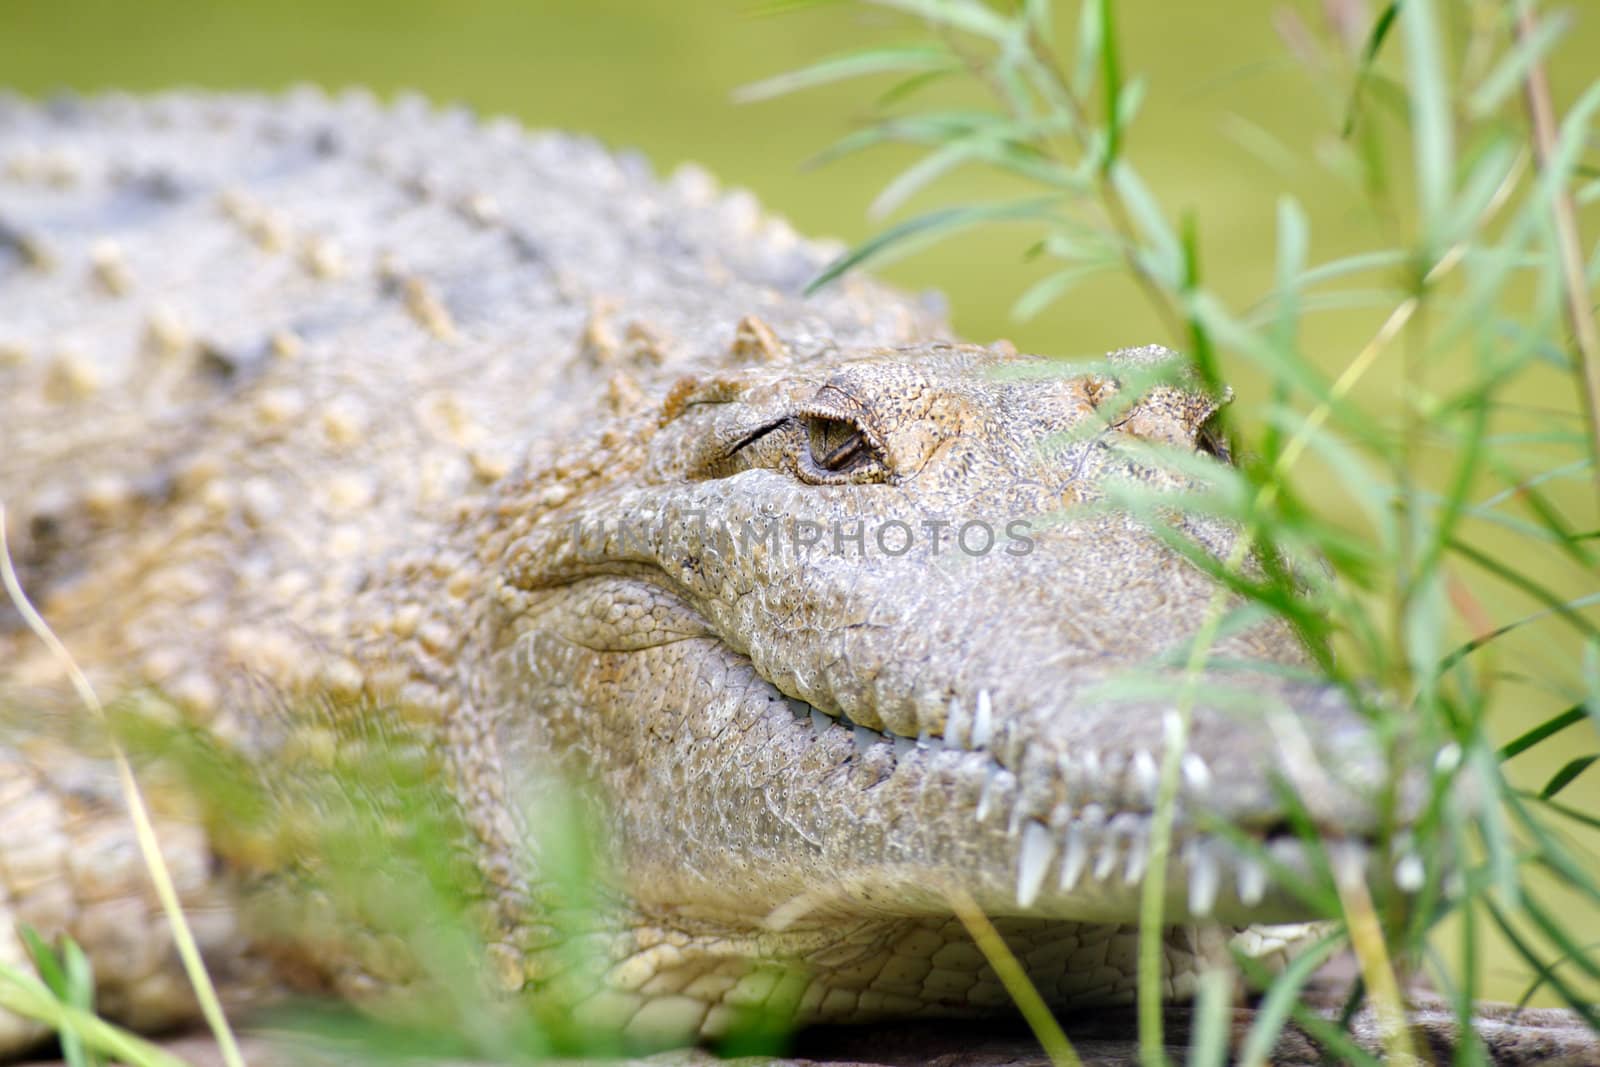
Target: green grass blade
[
  {"x": 1547, "y": 974},
  {"x": 926, "y": 170},
  {"x": 1566, "y": 776},
  {"x": 1015, "y": 979},
  {"x": 1508, "y": 74},
  {"x": 1513, "y": 577},
  {"x": 1500, "y": 854},
  {"x": 1110, "y": 84},
  {"x": 1448, "y": 516},
  {"x": 1294, "y": 238},
  {"x": 917, "y": 59},
  {"x": 1549, "y": 851},
  {"x": 1044, "y": 292},
  {"x": 933, "y": 226},
  {"x": 1003, "y": 154},
  {"x": 1208, "y": 1044},
  {"x": 1547, "y": 729},
  {"x": 1040, "y": 17},
  {"x": 27, "y": 996},
  {"x": 1356, "y": 264},
  {"x": 1091, "y": 34},
  {"x": 1432, "y": 124},
  {"x": 1545, "y": 510},
  {"x": 80, "y": 995},
  {"x": 1565, "y": 811},
  {"x": 1369, "y": 57},
  {"x": 65, "y": 975},
  {"x": 1484, "y": 184},
  {"x": 967, "y": 16},
  {"x": 906, "y": 88},
  {"x": 1167, "y": 262},
  {"x": 1569, "y": 949},
  {"x": 51, "y": 973},
  {"x": 1273, "y": 1011},
  {"x": 1542, "y": 977}
]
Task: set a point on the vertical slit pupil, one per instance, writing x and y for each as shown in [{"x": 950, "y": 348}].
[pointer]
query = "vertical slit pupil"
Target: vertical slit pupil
[{"x": 835, "y": 444}]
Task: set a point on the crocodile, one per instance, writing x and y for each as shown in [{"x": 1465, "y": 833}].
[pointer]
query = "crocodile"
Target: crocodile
[{"x": 321, "y": 411}]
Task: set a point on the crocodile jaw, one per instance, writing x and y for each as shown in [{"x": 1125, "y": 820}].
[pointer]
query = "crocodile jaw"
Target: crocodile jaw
[
  {"x": 806, "y": 810},
  {"x": 794, "y": 740},
  {"x": 822, "y": 846}
]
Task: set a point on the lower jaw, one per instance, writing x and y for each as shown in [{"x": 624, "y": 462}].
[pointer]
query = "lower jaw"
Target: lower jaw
[
  {"x": 1085, "y": 865},
  {"x": 922, "y": 967},
  {"x": 873, "y": 936}
]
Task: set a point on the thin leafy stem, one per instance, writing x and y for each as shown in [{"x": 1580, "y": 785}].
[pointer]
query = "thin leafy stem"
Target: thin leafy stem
[
  {"x": 1394, "y": 595},
  {"x": 149, "y": 847},
  {"x": 1369, "y": 58},
  {"x": 1152, "y": 900},
  {"x": 1014, "y": 978},
  {"x": 1566, "y": 811},
  {"x": 1513, "y": 577},
  {"x": 1049, "y": 68},
  {"x": 1547, "y": 973},
  {"x": 1569, "y": 244},
  {"x": 1110, "y": 197},
  {"x": 28, "y": 996}
]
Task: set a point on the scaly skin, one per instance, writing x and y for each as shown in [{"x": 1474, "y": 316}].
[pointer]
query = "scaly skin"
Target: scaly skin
[{"x": 309, "y": 403}]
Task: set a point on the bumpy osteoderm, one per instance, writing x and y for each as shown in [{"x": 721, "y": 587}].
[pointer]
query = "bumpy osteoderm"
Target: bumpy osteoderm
[{"x": 495, "y": 440}]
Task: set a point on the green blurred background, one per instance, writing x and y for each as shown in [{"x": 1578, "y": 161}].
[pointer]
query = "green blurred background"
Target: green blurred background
[
  {"x": 1236, "y": 114},
  {"x": 1231, "y": 118}
]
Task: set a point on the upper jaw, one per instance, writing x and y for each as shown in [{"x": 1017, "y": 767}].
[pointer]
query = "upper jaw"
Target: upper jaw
[{"x": 1047, "y": 822}]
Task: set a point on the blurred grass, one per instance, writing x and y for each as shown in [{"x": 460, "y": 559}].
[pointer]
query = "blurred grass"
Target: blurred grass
[
  {"x": 658, "y": 75},
  {"x": 1229, "y": 119}
]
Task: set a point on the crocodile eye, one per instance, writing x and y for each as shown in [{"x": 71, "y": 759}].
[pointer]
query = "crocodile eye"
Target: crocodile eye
[
  {"x": 836, "y": 446},
  {"x": 1211, "y": 441},
  {"x": 836, "y": 450}
]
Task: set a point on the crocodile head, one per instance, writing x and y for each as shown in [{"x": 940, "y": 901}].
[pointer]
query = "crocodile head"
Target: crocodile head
[{"x": 838, "y": 636}]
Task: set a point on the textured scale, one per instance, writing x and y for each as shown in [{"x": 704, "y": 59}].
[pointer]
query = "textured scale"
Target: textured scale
[{"x": 317, "y": 402}]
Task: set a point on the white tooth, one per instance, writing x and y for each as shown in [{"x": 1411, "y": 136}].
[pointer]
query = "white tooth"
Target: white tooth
[
  {"x": 986, "y": 797},
  {"x": 982, "y": 721},
  {"x": 1016, "y": 814},
  {"x": 924, "y": 739},
  {"x": 1196, "y": 775},
  {"x": 1076, "y": 855},
  {"x": 1064, "y": 775},
  {"x": 903, "y": 746},
  {"x": 1093, "y": 816},
  {"x": 1033, "y": 860},
  {"x": 820, "y": 721},
  {"x": 1107, "y": 858},
  {"x": 866, "y": 738},
  {"x": 1252, "y": 880},
  {"x": 1409, "y": 873},
  {"x": 1091, "y": 767},
  {"x": 956, "y": 725},
  {"x": 1122, "y": 826},
  {"x": 1138, "y": 855},
  {"x": 1146, "y": 776},
  {"x": 1204, "y": 879}
]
